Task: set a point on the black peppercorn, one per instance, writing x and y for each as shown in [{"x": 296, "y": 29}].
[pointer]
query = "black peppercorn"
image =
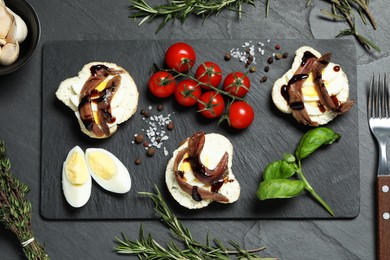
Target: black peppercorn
[
  {"x": 139, "y": 138},
  {"x": 151, "y": 151},
  {"x": 170, "y": 126},
  {"x": 263, "y": 79}
]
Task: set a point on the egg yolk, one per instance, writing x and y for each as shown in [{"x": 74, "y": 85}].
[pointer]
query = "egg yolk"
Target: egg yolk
[
  {"x": 186, "y": 167},
  {"x": 308, "y": 88},
  {"x": 101, "y": 86},
  {"x": 76, "y": 169},
  {"x": 102, "y": 165}
]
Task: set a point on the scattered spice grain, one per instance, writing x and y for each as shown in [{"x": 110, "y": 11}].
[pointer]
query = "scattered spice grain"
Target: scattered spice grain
[
  {"x": 151, "y": 151},
  {"x": 139, "y": 138},
  {"x": 263, "y": 79},
  {"x": 170, "y": 126},
  {"x": 160, "y": 107}
]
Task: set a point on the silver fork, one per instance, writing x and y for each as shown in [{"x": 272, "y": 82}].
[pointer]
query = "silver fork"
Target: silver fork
[{"x": 378, "y": 110}]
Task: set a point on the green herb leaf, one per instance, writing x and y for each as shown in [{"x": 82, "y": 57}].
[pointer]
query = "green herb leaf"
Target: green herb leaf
[
  {"x": 280, "y": 189},
  {"x": 314, "y": 139},
  {"x": 279, "y": 170},
  {"x": 15, "y": 209},
  {"x": 148, "y": 248}
]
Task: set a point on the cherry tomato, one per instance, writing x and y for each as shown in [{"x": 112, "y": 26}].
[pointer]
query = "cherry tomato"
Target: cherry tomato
[
  {"x": 237, "y": 84},
  {"x": 209, "y": 73},
  {"x": 241, "y": 115},
  {"x": 180, "y": 56},
  {"x": 187, "y": 92},
  {"x": 162, "y": 84},
  {"x": 211, "y": 104}
]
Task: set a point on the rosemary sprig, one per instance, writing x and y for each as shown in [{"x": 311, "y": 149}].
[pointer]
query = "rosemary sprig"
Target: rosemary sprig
[
  {"x": 148, "y": 248},
  {"x": 344, "y": 10},
  {"x": 181, "y": 9},
  {"x": 15, "y": 209}
]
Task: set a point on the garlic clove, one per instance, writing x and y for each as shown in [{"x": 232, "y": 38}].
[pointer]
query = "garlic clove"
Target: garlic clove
[
  {"x": 9, "y": 53},
  {"x": 2, "y": 42},
  {"x": 6, "y": 20},
  {"x": 18, "y": 29}
]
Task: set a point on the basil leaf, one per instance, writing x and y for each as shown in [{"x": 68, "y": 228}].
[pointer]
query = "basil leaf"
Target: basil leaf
[
  {"x": 288, "y": 157},
  {"x": 313, "y": 139},
  {"x": 280, "y": 189},
  {"x": 279, "y": 170}
]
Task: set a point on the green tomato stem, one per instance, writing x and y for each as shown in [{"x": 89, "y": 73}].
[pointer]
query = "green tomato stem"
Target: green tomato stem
[{"x": 310, "y": 189}]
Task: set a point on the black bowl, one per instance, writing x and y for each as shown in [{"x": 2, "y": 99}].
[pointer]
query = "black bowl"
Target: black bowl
[{"x": 29, "y": 45}]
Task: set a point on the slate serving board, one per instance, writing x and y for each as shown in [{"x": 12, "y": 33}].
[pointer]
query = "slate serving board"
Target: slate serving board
[{"x": 332, "y": 171}]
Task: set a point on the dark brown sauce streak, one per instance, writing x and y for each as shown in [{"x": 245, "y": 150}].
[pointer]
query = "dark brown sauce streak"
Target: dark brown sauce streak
[
  {"x": 195, "y": 194},
  {"x": 216, "y": 185},
  {"x": 284, "y": 93},
  {"x": 100, "y": 70},
  {"x": 307, "y": 55},
  {"x": 321, "y": 107}
]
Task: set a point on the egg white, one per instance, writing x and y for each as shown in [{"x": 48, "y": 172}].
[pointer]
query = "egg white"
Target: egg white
[
  {"x": 336, "y": 84},
  {"x": 214, "y": 148},
  {"x": 120, "y": 181},
  {"x": 76, "y": 195}
]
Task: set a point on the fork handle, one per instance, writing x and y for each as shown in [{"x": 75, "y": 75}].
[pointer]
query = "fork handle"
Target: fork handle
[{"x": 383, "y": 217}]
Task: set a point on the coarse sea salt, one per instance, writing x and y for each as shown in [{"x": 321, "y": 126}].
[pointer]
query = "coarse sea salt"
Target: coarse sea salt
[
  {"x": 249, "y": 49},
  {"x": 155, "y": 130}
]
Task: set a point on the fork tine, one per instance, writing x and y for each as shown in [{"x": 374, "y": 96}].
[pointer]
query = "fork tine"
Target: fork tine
[
  {"x": 377, "y": 97},
  {"x": 370, "y": 98},
  {"x": 386, "y": 96},
  {"x": 382, "y": 97}
]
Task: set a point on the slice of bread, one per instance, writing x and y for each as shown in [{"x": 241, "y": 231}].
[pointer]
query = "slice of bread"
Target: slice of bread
[
  {"x": 336, "y": 83},
  {"x": 214, "y": 147},
  {"x": 123, "y": 104}
]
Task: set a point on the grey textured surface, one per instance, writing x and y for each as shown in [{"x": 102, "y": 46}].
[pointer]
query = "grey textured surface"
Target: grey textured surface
[
  {"x": 271, "y": 134},
  {"x": 20, "y": 115}
]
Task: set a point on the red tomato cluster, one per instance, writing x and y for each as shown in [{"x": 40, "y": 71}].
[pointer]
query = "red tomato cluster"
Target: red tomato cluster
[{"x": 202, "y": 89}]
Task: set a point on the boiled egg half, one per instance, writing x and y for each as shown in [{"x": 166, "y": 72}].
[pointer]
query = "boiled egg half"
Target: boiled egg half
[
  {"x": 104, "y": 167},
  {"x": 107, "y": 170},
  {"x": 76, "y": 179}
]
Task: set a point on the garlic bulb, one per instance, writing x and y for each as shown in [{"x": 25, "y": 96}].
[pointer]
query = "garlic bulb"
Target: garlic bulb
[
  {"x": 13, "y": 31},
  {"x": 9, "y": 53}
]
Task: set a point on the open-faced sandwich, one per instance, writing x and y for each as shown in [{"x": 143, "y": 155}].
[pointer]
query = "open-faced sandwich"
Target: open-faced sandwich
[
  {"x": 314, "y": 90},
  {"x": 103, "y": 95},
  {"x": 200, "y": 172}
]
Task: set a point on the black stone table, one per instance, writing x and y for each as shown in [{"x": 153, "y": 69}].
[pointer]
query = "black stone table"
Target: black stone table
[{"x": 20, "y": 128}]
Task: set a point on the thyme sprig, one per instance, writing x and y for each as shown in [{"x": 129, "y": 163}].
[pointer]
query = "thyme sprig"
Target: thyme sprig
[
  {"x": 15, "y": 209},
  {"x": 181, "y": 9},
  {"x": 148, "y": 248}
]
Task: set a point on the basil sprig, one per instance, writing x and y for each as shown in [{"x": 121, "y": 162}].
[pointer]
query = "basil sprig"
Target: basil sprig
[{"x": 278, "y": 177}]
